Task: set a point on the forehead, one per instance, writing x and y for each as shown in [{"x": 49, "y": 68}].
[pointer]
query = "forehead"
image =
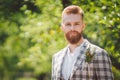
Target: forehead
[{"x": 71, "y": 18}]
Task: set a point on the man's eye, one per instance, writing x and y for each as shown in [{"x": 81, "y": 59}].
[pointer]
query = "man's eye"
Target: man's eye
[
  {"x": 77, "y": 24},
  {"x": 67, "y": 24}
]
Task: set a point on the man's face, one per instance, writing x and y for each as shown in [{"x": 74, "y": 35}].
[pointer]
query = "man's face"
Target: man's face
[{"x": 72, "y": 25}]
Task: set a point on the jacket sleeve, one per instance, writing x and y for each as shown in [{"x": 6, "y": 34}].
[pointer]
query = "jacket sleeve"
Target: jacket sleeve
[
  {"x": 103, "y": 66},
  {"x": 53, "y": 72}
]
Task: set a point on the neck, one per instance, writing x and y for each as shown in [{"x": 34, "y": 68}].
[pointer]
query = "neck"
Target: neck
[{"x": 73, "y": 46}]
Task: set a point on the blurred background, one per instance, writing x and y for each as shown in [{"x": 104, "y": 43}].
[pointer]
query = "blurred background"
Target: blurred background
[{"x": 30, "y": 34}]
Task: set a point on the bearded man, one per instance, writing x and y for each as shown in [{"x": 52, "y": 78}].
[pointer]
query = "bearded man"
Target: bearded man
[{"x": 80, "y": 60}]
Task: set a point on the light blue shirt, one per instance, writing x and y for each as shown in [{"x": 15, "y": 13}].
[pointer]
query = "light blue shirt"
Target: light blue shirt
[{"x": 69, "y": 61}]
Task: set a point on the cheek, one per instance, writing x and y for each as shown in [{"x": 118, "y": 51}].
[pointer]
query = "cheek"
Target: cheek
[
  {"x": 80, "y": 29},
  {"x": 64, "y": 30}
]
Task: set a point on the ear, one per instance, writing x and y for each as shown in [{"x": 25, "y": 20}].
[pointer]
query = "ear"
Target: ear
[
  {"x": 61, "y": 27},
  {"x": 83, "y": 26}
]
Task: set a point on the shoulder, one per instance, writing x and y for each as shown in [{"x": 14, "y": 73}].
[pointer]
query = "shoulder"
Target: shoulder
[
  {"x": 100, "y": 55},
  {"x": 98, "y": 50},
  {"x": 59, "y": 53}
]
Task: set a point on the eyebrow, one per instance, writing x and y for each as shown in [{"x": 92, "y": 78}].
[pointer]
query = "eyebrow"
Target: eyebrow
[{"x": 77, "y": 22}]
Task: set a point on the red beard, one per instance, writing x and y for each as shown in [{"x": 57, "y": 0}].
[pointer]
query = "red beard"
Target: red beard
[{"x": 73, "y": 37}]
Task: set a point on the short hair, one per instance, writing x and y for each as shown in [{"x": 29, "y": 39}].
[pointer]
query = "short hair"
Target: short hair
[{"x": 73, "y": 9}]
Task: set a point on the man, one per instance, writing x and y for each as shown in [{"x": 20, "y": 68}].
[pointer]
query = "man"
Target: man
[{"x": 80, "y": 60}]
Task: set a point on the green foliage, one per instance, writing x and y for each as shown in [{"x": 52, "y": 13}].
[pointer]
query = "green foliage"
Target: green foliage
[
  {"x": 30, "y": 34},
  {"x": 116, "y": 73},
  {"x": 42, "y": 30}
]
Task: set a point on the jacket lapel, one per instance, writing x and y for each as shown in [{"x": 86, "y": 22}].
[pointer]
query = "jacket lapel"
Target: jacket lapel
[{"x": 80, "y": 59}]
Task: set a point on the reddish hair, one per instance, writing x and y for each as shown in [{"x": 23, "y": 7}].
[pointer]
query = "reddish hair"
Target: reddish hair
[{"x": 73, "y": 9}]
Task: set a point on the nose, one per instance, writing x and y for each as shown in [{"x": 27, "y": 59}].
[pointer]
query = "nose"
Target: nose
[{"x": 72, "y": 27}]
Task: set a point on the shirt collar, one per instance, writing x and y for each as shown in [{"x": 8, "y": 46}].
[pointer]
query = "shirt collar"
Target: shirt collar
[{"x": 77, "y": 49}]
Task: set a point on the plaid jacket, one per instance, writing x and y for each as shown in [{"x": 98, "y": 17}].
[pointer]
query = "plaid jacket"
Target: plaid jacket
[{"x": 99, "y": 68}]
